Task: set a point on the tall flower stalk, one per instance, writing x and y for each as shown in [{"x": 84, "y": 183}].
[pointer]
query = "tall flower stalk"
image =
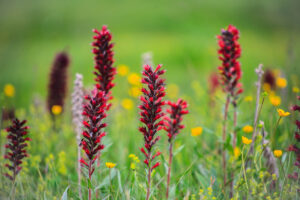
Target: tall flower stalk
[
  {"x": 259, "y": 71},
  {"x": 77, "y": 109},
  {"x": 16, "y": 149},
  {"x": 173, "y": 126},
  {"x": 230, "y": 70},
  {"x": 57, "y": 88},
  {"x": 94, "y": 111},
  {"x": 295, "y": 147},
  {"x": 104, "y": 70},
  {"x": 151, "y": 116}
]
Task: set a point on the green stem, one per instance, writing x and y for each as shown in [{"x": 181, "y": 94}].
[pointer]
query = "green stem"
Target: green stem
[
  {"x": 274, "y": 132},
  {"x": 110, "y": 182},
  {"x": 224, "y": 139},
  {"x": 244, "y": 171},
  {"x": 284, "y": 174}
]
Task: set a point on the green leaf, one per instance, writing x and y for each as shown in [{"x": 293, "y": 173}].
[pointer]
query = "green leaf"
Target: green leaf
[
  {"x": 106, "y": 180},
  {"x": 89, "y": 183},
  {"x": 119, "y": 181},
  {"x": 65, "y": 194},
  {"x": 178, "y": 150}
]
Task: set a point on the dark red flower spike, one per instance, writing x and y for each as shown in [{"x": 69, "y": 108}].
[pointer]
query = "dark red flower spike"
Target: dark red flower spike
[
  {"x": 103, "y": 52},
  {"x": 57, "y": 88},
  {"x": 94, "y": 112},
  {"x": 230, "y": 69},
  {"x": 173, "y": 120},
  {"x": 16, "y": 147},
  {"x": 151, "y": 115}
]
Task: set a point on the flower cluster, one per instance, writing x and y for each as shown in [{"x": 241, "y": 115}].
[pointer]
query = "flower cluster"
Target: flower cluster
[
  {"x": 77, "y": 102},
  {"x": 16, "y": 147},
  {"x": 151, "y": 110},
  {"x": 230, "y": 69},
  {"x": 172, "y": 122},
  {"x": 58, "y": 81},
  {"x": 105, "y": 72},
  {"x": 294, "y": 147},
  {"x": 94, "y": 110}
]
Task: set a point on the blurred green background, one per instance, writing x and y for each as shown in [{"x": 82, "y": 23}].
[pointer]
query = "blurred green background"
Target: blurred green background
[{"x": 180, "y": 34}]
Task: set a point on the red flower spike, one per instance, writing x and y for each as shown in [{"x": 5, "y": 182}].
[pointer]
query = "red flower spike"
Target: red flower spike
[
  {"x": 151, "y": 111},
  {"x": 16, "y": 143},
  {"x": 230, "y": 69},
  {"x": 91, "y": 140},
  {"x": 103, "y": 58},
  {"x": 173, "y": 122},
  {"x": 294, "y": 148}
]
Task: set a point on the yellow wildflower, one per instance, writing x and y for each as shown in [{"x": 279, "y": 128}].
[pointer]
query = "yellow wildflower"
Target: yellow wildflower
[
  {"x": 296, "y": 89},
  {"x": 134, "y": 79},
  {"x": 136, "y": 159},
  {"x": 123, "y": 70},
  {"x": 236, "y": 152},
  {"x": 261, "y": 174},
  {"x": 248, "y": 129},
  {"x": 267, "y": 87},
  {"x": 135, "y": 91},
  {"x": 246, "y": 140},
  {"x": 127, "y": 104},
  {"x": 275, "y": 100},
  {"x": 196, "y": 131},
  {"x": 132, "y": 166},
  {"x": 110, "y": 165},
  {"x": 201, "y": 191},
  {"x": 277, "y": 153},
  {"x": 281, "y": 82},
  {"x": 131, "y": 155},
  {"x": 209, "y": 189},
  {"x": 248, "y": 98},
  {"x": 282, "y": 113},
  {"x": 172, "y": 91},
  {"x": 56, "y": 109},
  {"x": 9, "y": 90}
]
